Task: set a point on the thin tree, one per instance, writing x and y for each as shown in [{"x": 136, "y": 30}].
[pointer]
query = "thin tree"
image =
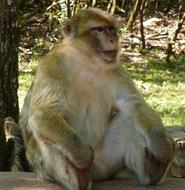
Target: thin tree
[
  {"x": 93, "y": 3},
  {"x": 111, "y": 6},
  {"x": 8, "y": 67},
  {"x": 134, "y": 14},
  {"x": 68, "y": 4},
  {"x": 75, "y": 7},
  {"x": 172, "y": 41},
  {"x": 142, "y": 8}
]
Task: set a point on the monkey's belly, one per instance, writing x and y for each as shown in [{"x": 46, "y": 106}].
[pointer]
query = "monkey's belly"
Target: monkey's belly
[
  {"x": 91, "y": 111},
  {"x": 91, "y": 128}
]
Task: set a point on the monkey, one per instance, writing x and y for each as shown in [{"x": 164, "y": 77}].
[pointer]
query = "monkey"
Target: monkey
[
  {"x": 15, "y": 150},
  {"x": 11, "y": 128},
  {"x": 83, "y": 119},
  {"x": 177, "y": 168}
]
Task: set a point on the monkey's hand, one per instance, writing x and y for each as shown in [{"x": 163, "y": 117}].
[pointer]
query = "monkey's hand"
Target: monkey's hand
[
  {"x": 159, "y": 154},
  {"x": 158, "y": 147},
  {"x": 83, "y": 177},
  {"x": 83, "y": 157}
]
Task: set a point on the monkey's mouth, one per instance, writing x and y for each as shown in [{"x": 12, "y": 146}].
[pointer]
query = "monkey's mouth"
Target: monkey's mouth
[{"x": 109, "y": 56}]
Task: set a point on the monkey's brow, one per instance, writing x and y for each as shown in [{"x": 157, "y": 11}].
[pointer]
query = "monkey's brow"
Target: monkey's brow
[{"x": 103, "y": 27}]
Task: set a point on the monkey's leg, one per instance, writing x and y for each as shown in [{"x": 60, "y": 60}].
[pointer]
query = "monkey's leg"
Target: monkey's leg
[
  {"x": 125, "y": 145},
  {"x": 65, "y": 156},
  {"x": 159, "y": 148},
  {"x": 52, "y": 165},
  {"x": 122, "y": 146}
]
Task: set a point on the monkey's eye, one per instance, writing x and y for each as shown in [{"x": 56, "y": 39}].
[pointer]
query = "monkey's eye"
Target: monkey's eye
[
  {"x": 98, "y": 29},
  {"x": 112, "y": 30}
]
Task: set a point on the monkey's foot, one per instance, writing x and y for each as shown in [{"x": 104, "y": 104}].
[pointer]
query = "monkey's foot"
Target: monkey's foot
[
  {"x": 85, "y": 161},
  {"x": 83, "y": 179},
  {"x": 156, "y": 168}
]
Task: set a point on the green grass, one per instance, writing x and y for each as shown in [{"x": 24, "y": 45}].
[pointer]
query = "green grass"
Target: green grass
[
  {"x": 26, "y": 75},
  {"x": 163, "y": 86}
]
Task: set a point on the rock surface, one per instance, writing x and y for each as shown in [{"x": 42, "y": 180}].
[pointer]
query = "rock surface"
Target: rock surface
[{"x": 27, "y": 181}]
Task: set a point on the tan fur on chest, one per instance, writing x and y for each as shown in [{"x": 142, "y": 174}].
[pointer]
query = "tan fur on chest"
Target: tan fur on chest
[{"x": 91, "y": 103}]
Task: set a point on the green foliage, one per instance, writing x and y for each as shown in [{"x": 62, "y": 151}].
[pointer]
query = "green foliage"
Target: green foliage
[
  {"x": 26, "y": 76},
  {"x": 143, "y": 51},
  {"x": 162, "y": 87},
  {"x": 38, "y": 47},
  {"x": 55, "y": 15},
  {"x": 176, "y": 62}
]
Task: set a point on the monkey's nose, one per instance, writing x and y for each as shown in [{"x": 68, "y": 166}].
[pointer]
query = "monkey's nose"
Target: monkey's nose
[{"x": 111, "y": 53}]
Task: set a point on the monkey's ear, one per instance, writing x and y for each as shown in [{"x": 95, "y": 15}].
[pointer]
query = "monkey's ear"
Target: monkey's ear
[{"x": 67, "y": 28}]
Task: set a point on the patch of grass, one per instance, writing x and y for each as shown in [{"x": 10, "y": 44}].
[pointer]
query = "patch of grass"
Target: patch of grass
[
  {"x": 162, "y": 87},
  {"x": 26, "y": 75}
]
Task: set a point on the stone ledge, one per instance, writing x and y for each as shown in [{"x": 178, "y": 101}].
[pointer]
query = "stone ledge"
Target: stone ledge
[
  {"x": 27, "y": 181},
  {"x": 23, "y": 181}
]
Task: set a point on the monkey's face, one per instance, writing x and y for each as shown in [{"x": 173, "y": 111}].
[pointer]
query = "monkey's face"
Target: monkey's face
[
  {"x": 98, "y": 30},
  {"x": 104, "y": 41}
]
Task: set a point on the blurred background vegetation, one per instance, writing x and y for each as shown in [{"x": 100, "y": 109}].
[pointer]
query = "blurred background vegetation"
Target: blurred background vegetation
[{"x": 152, "y": 36}]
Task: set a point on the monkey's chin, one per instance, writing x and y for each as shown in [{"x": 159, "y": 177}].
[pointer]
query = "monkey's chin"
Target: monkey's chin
[
  {"x": 110, "y": 57},
  {"x": 111, "y": 61}
]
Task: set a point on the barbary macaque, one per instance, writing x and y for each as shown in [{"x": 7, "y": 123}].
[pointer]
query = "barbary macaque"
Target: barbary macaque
[
  {"x": 83, "y": 118},
  {"x": 177, "y": 168},
  {"x": 11, "y": 128},
  {"x": 15, "y": 149}
]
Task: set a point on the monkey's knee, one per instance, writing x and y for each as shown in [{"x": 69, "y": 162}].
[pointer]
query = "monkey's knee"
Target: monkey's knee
[
  {"x": 69, "y": 176},
  {"x": 53, "y": 166}
]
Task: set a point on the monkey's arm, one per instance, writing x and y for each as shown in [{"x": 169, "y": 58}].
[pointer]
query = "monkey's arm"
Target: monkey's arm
[
  {"x": 51, "y": 128},
  {"x": 144, "y": 120}
]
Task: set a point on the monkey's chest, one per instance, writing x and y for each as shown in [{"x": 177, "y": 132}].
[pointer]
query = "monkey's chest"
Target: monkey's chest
[{"x": 91, "y": 110}]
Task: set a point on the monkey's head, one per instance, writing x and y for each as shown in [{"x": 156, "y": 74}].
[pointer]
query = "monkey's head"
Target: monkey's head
[
  {"x": 11, "y": 128},
  {"x": 98, "y": 30}
]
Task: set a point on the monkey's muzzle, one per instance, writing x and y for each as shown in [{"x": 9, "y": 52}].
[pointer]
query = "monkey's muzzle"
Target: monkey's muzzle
[{"x": 109, "y": 56}]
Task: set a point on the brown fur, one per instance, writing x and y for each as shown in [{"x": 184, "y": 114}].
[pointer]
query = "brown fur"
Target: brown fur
[{"x": 83, "y": 115}]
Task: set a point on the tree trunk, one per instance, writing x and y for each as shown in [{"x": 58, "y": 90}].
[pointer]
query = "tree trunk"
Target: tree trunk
[
  {"x": 68, "y": 2},
  {"x": 134, "y": 14},
  {"x": 74, "y": 7},
  {"x": 111, "y": 6},
  {"x": 93, "y": 3},
  {"x": 180, "y": 24},
  {"x": 172, "y": 41},
  {"x": 8, "y": 66},
  {"x": 123, "y": 3},
  {"x": 141, "y": 23}
]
